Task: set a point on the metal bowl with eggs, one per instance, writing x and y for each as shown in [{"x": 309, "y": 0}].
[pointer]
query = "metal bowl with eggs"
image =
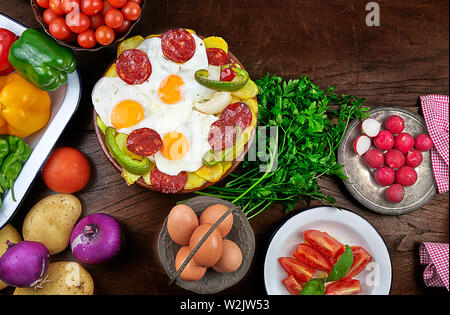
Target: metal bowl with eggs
[
  {"x": 197, "y": 176},
  {"x": 221, "y": 261}
]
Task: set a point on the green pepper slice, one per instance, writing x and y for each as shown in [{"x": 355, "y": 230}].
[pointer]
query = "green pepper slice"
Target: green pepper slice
[
  {"x": 127, "y": 162},
  {"x": 201, "y": 76}
]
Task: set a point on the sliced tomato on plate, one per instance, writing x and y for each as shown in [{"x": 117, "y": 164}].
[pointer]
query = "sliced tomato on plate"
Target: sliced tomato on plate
[
  {"x": 312, "y": 257},
  {"x": 292, "y": 285},
  {"x": 324, "y": 243},
  {"x": 360, "y": 260},
  {"x": 344, "y": 287},
  {"x": 299, "y": 270}
]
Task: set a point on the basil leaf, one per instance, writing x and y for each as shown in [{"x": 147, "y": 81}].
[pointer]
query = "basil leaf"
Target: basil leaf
[
  {"x": 342, "y": 266},
  {"x": 314, "y": 286}
]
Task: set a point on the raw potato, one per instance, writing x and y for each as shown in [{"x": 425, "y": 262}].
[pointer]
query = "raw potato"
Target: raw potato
[
  {"x": 129, "y": 43},
  {"x": 63, "y": 278},
  {"x": 8, "y": 233},
  {"x": 51, "y": 221}
]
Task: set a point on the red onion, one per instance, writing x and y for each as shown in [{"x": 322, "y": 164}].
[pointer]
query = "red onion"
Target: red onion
[
  {"x": 96, "y": 238},
  {"x": 24, "y": 264}
]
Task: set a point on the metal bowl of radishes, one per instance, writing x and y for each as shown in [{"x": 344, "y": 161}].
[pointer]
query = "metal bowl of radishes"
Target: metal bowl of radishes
[{"x": 387, "y": 161}]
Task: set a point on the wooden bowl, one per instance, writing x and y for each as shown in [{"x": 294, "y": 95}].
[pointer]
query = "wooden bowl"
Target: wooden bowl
[
  {"x": 38, "y": 12},
  {"x": 140, "y": 181},
  {"x": 212, "y": 282}
]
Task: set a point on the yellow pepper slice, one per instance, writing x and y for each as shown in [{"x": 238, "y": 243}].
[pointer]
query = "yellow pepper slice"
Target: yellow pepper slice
[{"x": 24, "y": 108}]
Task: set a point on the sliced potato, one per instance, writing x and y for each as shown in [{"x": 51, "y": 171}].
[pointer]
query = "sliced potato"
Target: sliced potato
[
  {"x": 210, "y": 174},
  {"x": 239, "y": 146},
  {"x": 153, "y": 35},
  {"x": 225, "y": 166},
  {"x": 129, "y": 43},
  {"x": 250, "y": 90},
  {"x": 216, "y": 42},
  {"x": 112, "y": 71},
  {"x": 130, "y": 178},
  {"x": 252, "y": 103},
  {"x": 190, "y": 31},
  {"x": 51, "y": 221},
  {"x": 235, "y": 99},
  {"x": 194, "y": 181},
  {"x": 146, "y": 176},
  {"x": 8, "y": 233},
  {"x": 63, "y": 278}
]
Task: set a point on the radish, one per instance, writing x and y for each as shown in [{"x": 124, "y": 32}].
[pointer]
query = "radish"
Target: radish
[
  {"x": 413, "y": 158},
  {"x": 370, "y": 127},
  {"x": 384, "y": 141},
  {"x": 394, "y": 158},
  {"x": 395, "y": 193},
  {"x": 394, "y": 124},
  {"x": 373, "y": 158},
  {"x": 404, "y": 142},
  {"x": 406, "y": 176},
  {"x": 361, "y": 145},
  {"x": 423, "y": 142},
  {"x": 384, "y": 176}
]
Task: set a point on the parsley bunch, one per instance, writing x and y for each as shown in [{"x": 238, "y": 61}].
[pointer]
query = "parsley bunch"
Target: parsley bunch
[{"x": 310, "y": 123}]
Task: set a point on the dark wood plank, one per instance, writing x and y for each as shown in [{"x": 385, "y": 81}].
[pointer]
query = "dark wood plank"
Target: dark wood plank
[{"x": 407, "y": 56}]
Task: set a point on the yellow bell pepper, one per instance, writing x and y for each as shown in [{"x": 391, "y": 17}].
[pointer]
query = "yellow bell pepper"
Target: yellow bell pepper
[{"x": 25, "y": 108}]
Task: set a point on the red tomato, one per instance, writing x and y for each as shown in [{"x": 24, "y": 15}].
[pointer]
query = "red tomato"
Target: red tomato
[
  {"x": 106, "y": 7},
  {"x": 135, "y": 1},
  {"x": 123, "y": 28},
  {"x": 299, "y": 270},
  {"x": 104, "y": 35},
  {"x": 312, "y": 257},
  {"x": 87, "y": 39},
  {"x": 66, "y": 171},
  {"x": 227, "y": 74},
  {"x": 217, "y": 57},
  {"x": 114, "y": 18},
  {"x": 117, "y": 3},
  {"x": 292, "y": 285},
  {"x": 70, "y": 5},
  {"x": 78, "y": 22},
  {"x": 43, "y": 3},
  {"x": 91, "y": 7},
  {"x": 59, "y": 29},
  {"x": 96, "y": 21},
  {"x": 344, "y": 287},
  {"x": 324, "y": 243},
  {"x": 49, "y": 16},
  {"x": 131, "y": 11},
  {"x": 360, "y": 260},
  {"x": 55, "y": 5}
]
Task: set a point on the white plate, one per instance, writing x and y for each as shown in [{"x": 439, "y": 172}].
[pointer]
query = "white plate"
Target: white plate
[
  {"x": 348, "y": 228},
  {"x": 64, "y": 102}
]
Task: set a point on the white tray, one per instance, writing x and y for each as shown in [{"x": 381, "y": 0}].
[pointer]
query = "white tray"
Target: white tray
[{"x": 64, "y": 102}]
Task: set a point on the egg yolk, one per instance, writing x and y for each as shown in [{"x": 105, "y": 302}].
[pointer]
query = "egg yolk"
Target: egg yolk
[
  {"x": 170, "y": 89},
  {"x": 175, "y": 145},
  {"x": 126, "y": 114}
]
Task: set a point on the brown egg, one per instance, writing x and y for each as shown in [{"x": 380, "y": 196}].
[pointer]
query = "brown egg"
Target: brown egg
[
  {"x": 213, "y": 213},
  {"x": 209, "y": 253},
  {"x": 192, "y": 271},
  {"x": 181, "y": 222},
  {"x": 231, "y": 258}
]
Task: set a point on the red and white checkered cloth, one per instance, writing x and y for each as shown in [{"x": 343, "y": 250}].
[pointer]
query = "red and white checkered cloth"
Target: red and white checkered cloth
[
  {"x": 435, "y": 255},
  {"x": 435, "y": 109}
]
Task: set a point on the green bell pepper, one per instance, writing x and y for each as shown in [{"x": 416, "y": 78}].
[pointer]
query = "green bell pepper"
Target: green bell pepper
[
  {"x": 41, "y": 60},
  {"x": 201, "y": 76}
]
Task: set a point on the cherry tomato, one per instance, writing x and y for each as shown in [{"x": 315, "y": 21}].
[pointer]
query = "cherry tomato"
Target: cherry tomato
[
  {"x": 55, "y": 5},
  {"x": 43, "y": 3},
  {"x": 106, "y": 7},
  {"x": 114, "y": 18},
  {"x": 49, "y": 16},
  {"x": 117, "y": 3},
  {"x": 87, "y": 39},
  {"x": 135, "y": 1},
  {"x": 97, "y": 21},
  {"x": 59, "y": 29},
  {"x": 104, "y": 35},
  {"x": 227, "y": 74},
  {"x": 123, "y": 28},
  {"x": 91, "y": 7},
  {"x": 70, "y": 5},
  {"x": 66, "y": 171},
  {"x": 131, "y": 11},
  {"x": 78, "y": 22}
]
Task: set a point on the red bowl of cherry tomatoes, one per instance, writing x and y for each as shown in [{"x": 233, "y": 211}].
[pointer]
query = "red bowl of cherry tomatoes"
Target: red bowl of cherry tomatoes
[{"x": 87, "y": 24}]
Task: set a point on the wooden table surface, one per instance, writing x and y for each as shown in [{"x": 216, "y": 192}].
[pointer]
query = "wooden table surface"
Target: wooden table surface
[{"x": 390, "y": 65}]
